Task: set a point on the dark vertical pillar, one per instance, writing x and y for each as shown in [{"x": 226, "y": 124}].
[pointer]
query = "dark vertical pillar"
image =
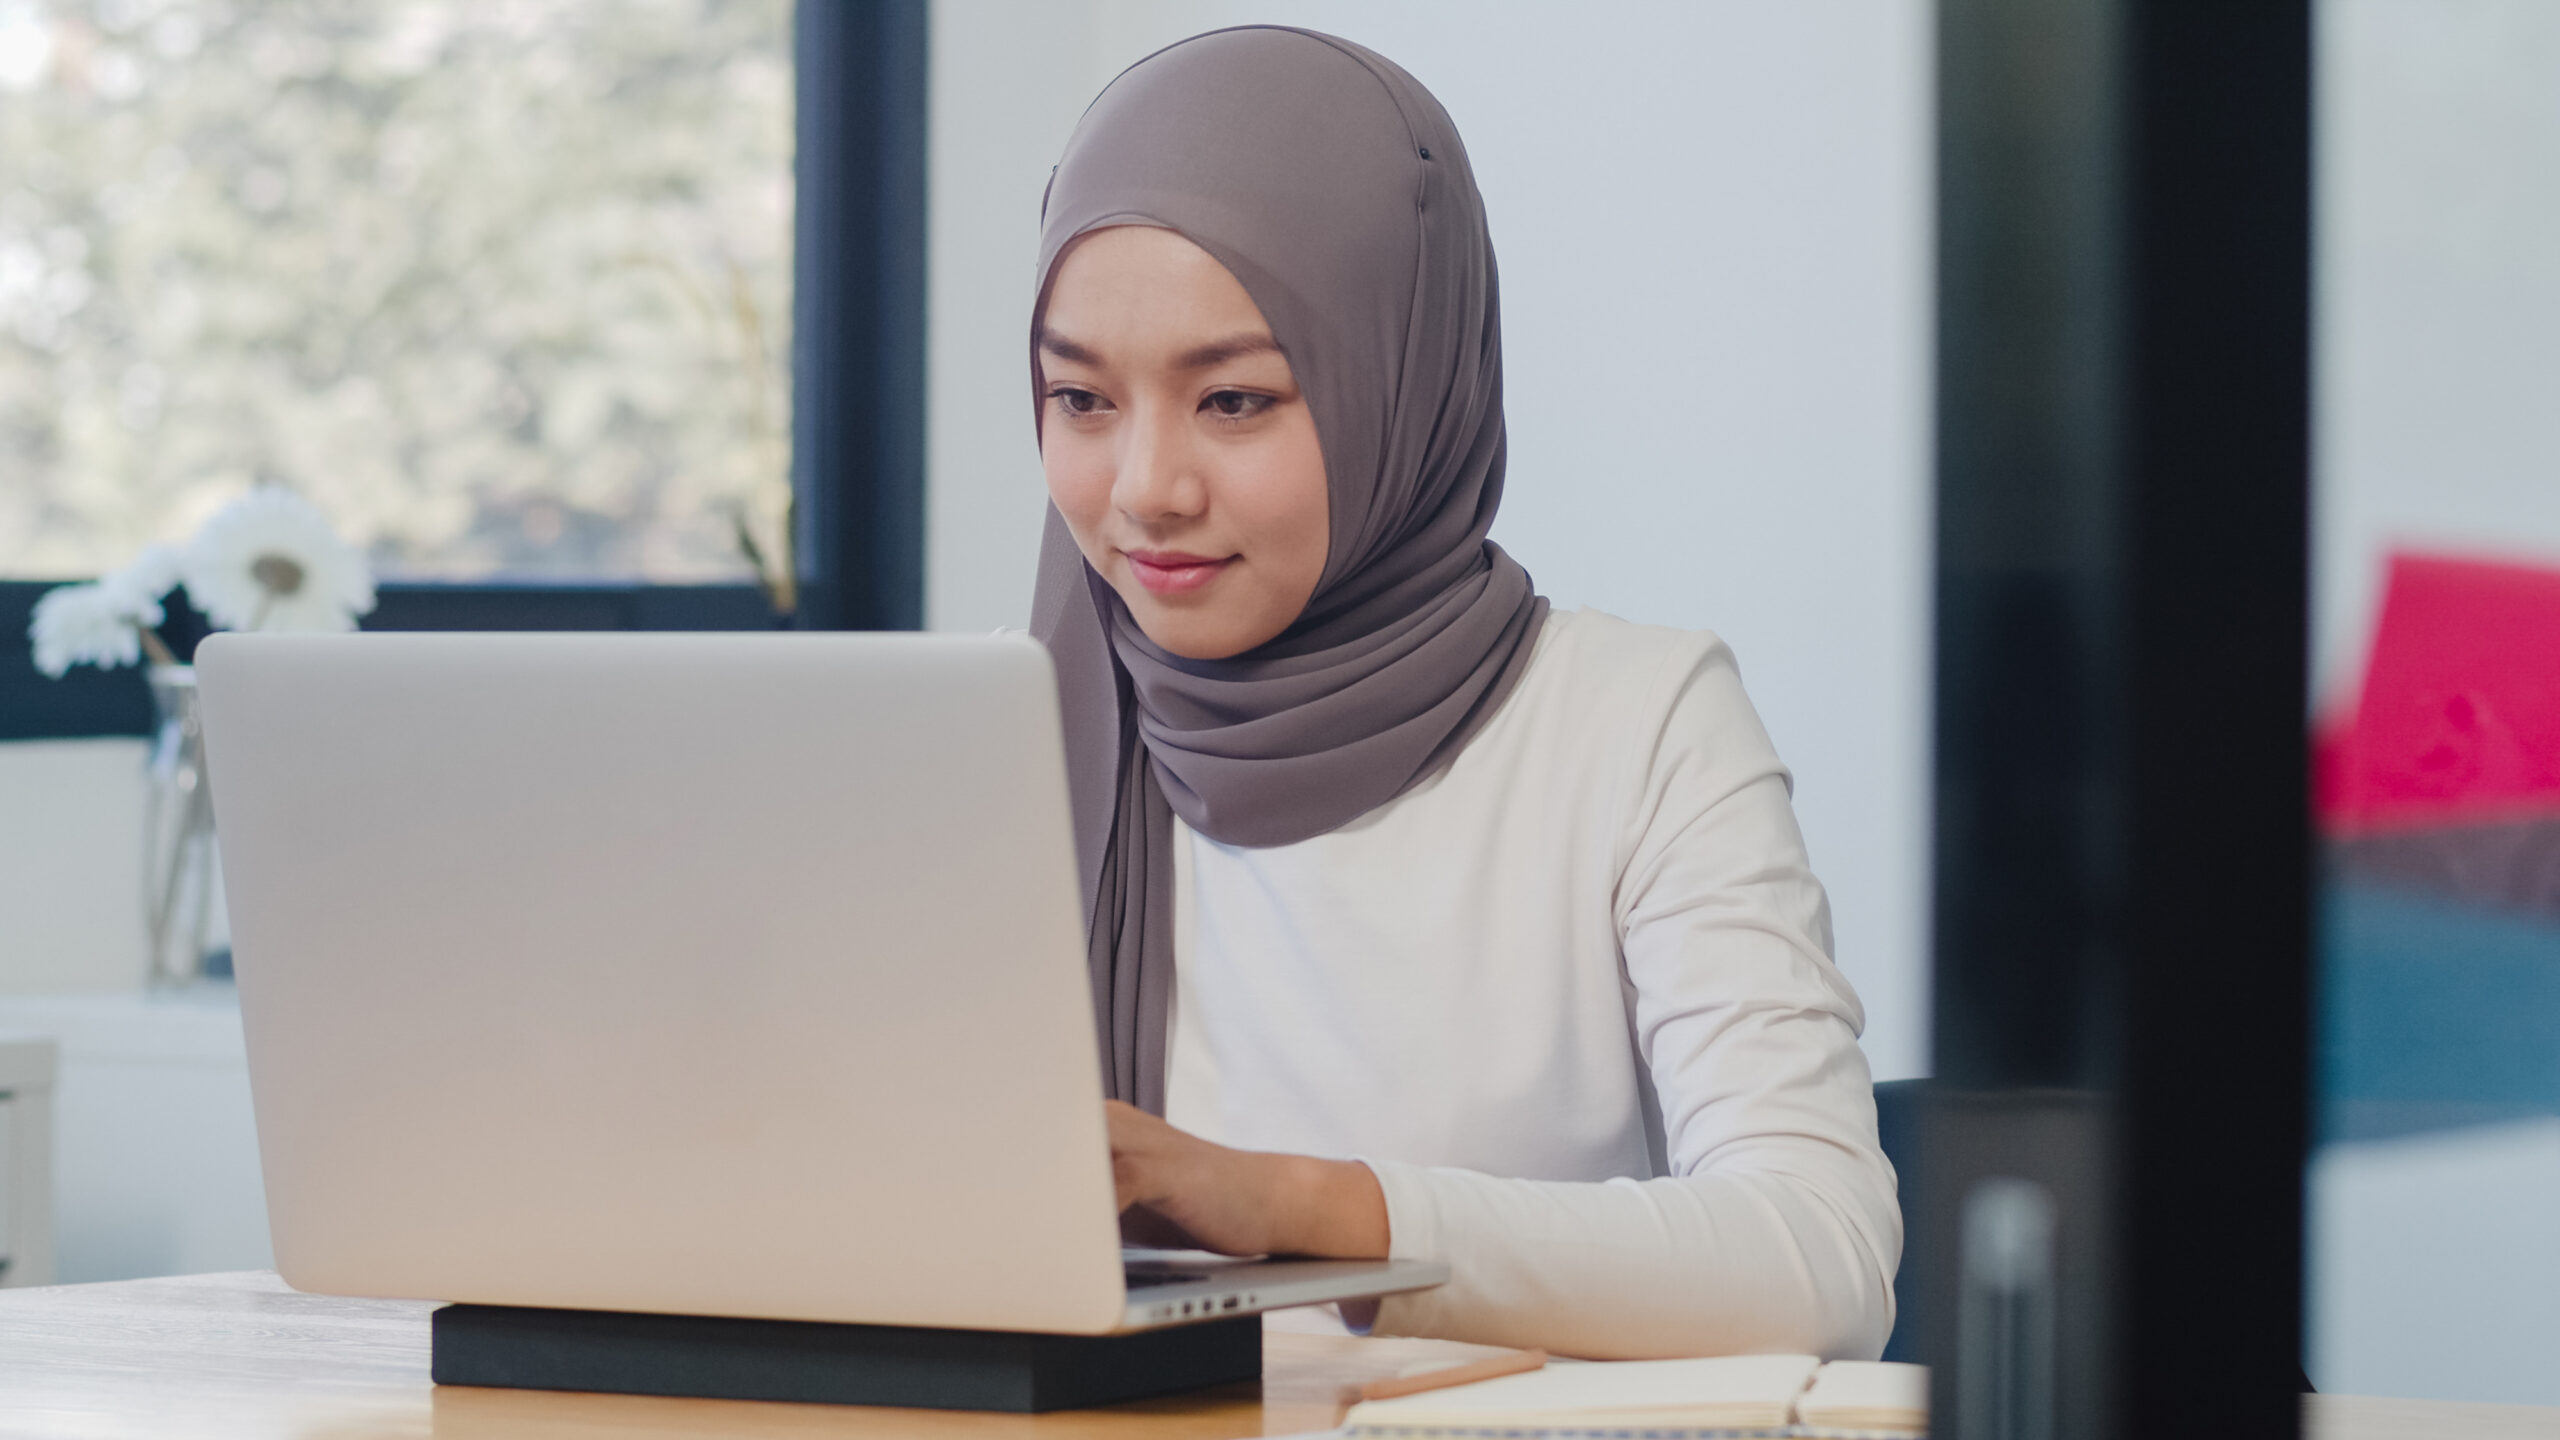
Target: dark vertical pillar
[
  {"x": 2217, "y": 1069},
  {"x": 2109, "y": 1234},
  {"x": 858, "y": 313}
]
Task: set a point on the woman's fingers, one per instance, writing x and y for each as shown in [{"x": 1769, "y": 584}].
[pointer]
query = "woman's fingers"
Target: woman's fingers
[
  {"x": 1194, "y": 1193},
  {"x": 1175, "y": 1189},
  {"x": 1137, "y": 1152},
  {"x": 1187, "y": 1192}
]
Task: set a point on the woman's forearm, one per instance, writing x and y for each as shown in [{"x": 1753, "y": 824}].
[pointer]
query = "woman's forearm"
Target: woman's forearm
[{"x": 1707, "y": 1264}]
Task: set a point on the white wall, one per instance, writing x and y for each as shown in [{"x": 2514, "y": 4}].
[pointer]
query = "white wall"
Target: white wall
[
  {"x": 2435, "y": 1265},
  {"x": 71, "y": 866},
  {"x": 1712, "y": 222},
  {"x": 155, "y": 1168},
  {"x": 2438, "y": 388}
]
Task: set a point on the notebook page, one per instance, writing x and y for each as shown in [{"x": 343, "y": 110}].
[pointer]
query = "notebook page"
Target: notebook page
[{"x": 1867, "y": 1396}]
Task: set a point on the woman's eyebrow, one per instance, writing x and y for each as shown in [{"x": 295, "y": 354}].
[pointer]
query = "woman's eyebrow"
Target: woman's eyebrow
[
  {"x": 1198, "y": 357},
  {"x": 1219, "y": 352},
  {"x": 1053, "y": 343}
]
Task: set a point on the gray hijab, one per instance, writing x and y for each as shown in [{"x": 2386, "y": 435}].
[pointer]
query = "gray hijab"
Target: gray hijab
[{"x": 1332, "y": 185}]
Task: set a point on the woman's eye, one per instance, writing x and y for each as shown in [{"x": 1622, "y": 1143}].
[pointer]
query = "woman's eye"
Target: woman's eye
[
  {"x": 1235, "y": 404},
  {"x": 1076, "y": 402}
]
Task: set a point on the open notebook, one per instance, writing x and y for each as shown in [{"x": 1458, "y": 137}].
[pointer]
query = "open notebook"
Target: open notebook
[{"x": 1739, "y": 1395}]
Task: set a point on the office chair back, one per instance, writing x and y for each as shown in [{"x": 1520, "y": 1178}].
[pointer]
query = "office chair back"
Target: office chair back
[{"x": 1898, "y": 1130}]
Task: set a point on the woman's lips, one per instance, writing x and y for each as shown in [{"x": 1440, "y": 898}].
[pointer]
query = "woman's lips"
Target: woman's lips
[{"x": 1172, "y": 572}]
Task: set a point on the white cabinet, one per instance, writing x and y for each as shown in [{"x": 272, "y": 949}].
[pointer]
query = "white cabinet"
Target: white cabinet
[
  {"x": 26, "y": 1160},
  {"x": 155, "y": 1153}
]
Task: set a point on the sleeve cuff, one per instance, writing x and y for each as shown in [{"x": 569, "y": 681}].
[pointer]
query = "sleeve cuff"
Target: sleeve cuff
[{"x": 1413, "y": 1231}]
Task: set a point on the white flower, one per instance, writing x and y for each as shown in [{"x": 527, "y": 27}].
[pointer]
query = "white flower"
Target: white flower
[
  {"x": 92, "y": 624},
  {"x": 269, "y": 561},
  {"x": 150, "y": 576}
]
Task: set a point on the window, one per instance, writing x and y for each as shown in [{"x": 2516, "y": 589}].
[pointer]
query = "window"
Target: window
[
  {"x": 516, "y": 293},
  {"x": 505, "y": 289}
]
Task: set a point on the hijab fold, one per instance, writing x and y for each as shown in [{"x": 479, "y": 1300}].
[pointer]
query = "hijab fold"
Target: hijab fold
[{"x": 1335, "y": 189}]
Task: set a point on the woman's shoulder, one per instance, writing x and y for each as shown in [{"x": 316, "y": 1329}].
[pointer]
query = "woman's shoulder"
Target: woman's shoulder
[
  {"x": 1608, "y": 714},
  {"x": 1661, "y": 690},
  {"x": 1616, "y": 662}
]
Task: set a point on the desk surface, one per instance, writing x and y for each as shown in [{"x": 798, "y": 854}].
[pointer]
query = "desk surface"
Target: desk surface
[
  {"x": 239, "y": 1355},
  {"x": 218, "y": 1356}
]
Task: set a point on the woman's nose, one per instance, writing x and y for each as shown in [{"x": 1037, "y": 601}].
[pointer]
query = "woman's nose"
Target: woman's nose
[{"x": 1159, "y": 479}]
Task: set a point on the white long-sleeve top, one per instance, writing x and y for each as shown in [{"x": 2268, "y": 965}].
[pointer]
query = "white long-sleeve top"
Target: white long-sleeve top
[{"x": 1572, "y": 1000}]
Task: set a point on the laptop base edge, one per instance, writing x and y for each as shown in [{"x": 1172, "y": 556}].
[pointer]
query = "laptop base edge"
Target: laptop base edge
[{"x": 719, "y": 1357}]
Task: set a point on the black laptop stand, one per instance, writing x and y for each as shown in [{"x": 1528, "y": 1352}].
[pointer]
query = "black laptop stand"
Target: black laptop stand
[{"x": 733, "y": 1359}]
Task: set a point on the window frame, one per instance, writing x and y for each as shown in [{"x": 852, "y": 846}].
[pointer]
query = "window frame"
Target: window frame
[{"x": 857, "y": 469}]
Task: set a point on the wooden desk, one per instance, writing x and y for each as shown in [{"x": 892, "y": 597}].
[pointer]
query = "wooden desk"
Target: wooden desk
[{"x": 217, "y": 1356}]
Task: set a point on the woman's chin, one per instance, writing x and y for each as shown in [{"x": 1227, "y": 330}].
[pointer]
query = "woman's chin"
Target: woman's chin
[
  {"x": 1193, "y": 630},
  {"x": 1197, "y": 642}
]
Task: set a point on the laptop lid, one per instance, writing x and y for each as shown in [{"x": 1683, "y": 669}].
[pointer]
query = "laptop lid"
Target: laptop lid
[{"x": 726, "y": 975}]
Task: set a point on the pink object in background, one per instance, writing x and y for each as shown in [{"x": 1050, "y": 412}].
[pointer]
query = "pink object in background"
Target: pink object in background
[{"x": 2459, "y": 721}]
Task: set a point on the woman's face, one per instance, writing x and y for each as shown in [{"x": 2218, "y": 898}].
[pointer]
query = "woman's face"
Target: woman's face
[{"x": 1176, "y": 443}]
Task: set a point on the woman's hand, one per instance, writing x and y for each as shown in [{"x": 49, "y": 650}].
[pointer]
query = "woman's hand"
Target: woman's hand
[{"x": 1179, "y": 1190}]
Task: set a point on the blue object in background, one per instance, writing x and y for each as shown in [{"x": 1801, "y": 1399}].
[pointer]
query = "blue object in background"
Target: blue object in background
[{"x": 2432, "y": 1014}]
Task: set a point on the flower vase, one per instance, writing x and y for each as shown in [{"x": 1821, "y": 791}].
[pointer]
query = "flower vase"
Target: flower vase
[{"x": 178, "y": 857}]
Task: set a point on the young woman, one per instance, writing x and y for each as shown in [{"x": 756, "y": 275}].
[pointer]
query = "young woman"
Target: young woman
[{"x": 1426, "y": 922}]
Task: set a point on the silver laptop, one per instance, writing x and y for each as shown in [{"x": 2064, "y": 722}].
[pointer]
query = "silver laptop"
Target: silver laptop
[{"x": 696, "y": 974}]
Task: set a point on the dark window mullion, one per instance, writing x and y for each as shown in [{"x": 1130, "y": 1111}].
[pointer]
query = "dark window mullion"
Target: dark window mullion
[{"x": 858, "y": 314}]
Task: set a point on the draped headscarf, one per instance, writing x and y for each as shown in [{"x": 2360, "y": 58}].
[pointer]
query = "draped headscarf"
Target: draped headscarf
[{"x": 1334, "y": 188}]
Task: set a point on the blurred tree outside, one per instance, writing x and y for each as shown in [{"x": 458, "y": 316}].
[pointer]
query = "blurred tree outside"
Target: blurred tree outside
[{"x": 502, "y": 285}]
